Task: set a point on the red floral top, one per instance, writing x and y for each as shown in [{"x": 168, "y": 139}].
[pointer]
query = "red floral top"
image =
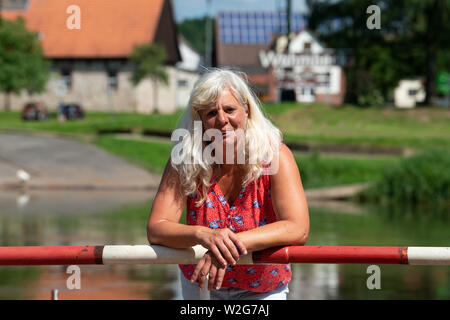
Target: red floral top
[{"x": 251, "y": 209}]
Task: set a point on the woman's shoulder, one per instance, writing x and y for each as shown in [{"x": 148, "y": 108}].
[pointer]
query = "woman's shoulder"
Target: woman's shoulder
[
  {"x": 284, "y": 150},
  {"x": 285, "y": 163}
]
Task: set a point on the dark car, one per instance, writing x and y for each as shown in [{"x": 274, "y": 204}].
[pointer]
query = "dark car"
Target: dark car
[
  {"x": 71, "y": 111},
  {"x": 34, "y": 111}
]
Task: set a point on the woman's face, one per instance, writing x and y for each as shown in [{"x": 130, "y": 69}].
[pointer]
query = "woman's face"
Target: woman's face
[{"x": 226, "y": 115}]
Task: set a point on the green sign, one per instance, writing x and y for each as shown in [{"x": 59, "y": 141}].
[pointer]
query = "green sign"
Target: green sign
[{"x": 443, "y": 82}]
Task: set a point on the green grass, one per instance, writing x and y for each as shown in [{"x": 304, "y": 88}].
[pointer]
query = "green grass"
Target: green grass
[
  {"x": 300, "y": 123},
  {"x": 320, "y": 123},
  {"x": 150, "y": 154},
  {"x": 316, "y": 170},
  {"x": 423, "y": 179},
  {"x": 93, "y": 122}
]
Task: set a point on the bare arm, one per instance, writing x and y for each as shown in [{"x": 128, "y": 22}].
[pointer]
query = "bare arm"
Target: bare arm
[
  {"x": 290, "y": 206},
  {"x": 163, "y": 227}
]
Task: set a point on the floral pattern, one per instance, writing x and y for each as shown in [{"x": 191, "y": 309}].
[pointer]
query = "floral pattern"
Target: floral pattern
[{"x": 252, "y": 208}]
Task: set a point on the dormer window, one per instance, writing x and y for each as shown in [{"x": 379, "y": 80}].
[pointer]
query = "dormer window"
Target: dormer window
[{"x": 307, "y": 46}]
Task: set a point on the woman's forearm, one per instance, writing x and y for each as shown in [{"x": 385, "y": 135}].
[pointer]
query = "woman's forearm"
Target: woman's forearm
[
  {"x": 173, "y": 234},
  {"x": 279, "y": 233}
]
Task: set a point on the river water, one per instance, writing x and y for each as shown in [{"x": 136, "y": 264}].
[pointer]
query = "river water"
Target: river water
[{"x": 119, "y": 217}]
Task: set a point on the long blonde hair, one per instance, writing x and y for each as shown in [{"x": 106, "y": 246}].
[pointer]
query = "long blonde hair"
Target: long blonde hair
[{"x": 262, "y": 138}]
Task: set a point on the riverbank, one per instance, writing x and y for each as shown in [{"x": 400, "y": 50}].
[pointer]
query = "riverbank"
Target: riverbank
[
  {"x": 333, "y": 146},
  {"x": 56, "y": 163},
  {"x": 307, "y": 126}
]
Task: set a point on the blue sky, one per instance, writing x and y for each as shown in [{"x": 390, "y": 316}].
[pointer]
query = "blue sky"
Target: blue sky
[{"x": 197, "y": 8}]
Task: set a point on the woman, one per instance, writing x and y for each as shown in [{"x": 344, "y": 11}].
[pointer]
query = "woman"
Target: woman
[{"x": 252, "y": 202}]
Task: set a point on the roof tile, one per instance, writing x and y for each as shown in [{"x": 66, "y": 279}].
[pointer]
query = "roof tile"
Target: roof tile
[{"x": 108, "y": 28}]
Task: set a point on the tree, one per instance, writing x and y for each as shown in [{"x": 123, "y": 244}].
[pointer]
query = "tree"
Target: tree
[
  {"x": 22, "y": 62},
  {"x": 429, "y": 25},
  {"x": 412, "y": 41},
  {"x": 193, "y": 30},
  {"x": 149, "y": 62}
]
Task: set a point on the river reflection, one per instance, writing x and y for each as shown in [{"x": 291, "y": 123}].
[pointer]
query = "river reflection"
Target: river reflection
[{"x": 97, "y": 218}]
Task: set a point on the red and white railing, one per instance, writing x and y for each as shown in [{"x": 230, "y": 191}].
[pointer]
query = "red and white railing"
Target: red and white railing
[{"x": 154, "y": 254}]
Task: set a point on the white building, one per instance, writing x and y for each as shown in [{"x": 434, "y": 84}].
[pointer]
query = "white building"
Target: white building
[
  {"x": 188, "y": 71},
  {"x": 90, "y": 64},
  {"x": 307, "y": 67}
]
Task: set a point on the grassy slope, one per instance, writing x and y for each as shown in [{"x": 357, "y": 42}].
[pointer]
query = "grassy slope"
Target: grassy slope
[
  {"x": 94, "y": 122},
  {"x": 314, "y": 123},
  {"x": 299, "y": 123},
  {"x": 316, "y": 170},
  {"x": 372, "y": 126},
  {"x": 151, "y": 155}
]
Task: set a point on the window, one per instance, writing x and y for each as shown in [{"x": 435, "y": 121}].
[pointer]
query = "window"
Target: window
[
  {"x": 67, "y": 78},
  {"x": 113, "y": 82},
  {"x": 182, "y": 83},
  {"x": 307, "y": 46},
  {"x": 412, "y": 92}
]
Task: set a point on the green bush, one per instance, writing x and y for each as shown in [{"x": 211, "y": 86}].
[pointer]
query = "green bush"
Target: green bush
[
  {"x": 371, "y": 99},
  {"x": 418, "y": 180}
]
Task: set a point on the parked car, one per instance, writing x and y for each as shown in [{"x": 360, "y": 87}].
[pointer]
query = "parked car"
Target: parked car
[
  {"x": 34, "y": 111},
  {"x": 70, "y": 111}
]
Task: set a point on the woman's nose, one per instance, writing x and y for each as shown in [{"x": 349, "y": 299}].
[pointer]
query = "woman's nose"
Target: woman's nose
[{"x": 221, "y": 117}]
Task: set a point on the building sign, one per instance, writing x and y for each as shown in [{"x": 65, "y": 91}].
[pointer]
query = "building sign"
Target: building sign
[
  {"x": 282, "y": 60},
  {"x": 305, "y": 66},
  {"x": 293, "y": 71}
]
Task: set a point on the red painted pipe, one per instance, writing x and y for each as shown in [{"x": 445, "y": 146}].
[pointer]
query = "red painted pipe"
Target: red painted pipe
[
  {"x": 57, "y": 255},
  {"x": 66, "y": 255},
  {"x": 333, "y": 254}
]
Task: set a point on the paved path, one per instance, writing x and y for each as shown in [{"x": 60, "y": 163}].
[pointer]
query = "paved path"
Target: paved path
[{"x": 62, "y": 163}]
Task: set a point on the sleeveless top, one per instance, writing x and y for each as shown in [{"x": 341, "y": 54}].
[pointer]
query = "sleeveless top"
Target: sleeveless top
[{"x": 251, "y": 209}]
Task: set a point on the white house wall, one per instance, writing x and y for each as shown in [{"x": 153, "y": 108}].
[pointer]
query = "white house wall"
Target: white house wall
[
  {"x": 184, "y": 92},
  {"x": 89, "y": 89},
  {"x": 297, "y": 44},
  {"x": 335, "y": 79},
  {"x": 191, "y": 60},
  {"x": 166, "y": 95}
]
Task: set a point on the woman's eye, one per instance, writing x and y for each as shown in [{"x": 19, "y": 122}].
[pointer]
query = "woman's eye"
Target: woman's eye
[
  {"x": 211, "y": 114},
  {"x": 230, "y": 110}
]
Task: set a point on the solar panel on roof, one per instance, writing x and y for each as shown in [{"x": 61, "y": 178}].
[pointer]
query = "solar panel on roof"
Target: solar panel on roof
[{"x": 255, "y": 27}]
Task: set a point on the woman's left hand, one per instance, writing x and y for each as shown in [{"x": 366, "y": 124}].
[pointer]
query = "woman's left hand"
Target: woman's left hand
[{"x": 209, "y": 265}]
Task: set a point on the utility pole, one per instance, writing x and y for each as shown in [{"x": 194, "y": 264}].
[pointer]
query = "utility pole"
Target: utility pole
[
  {"x": 208, "y": 32},
  {"x": 288, "y": 20}
]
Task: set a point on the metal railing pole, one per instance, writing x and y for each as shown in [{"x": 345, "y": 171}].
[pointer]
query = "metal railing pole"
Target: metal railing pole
[{"x": 154, "y": 254}]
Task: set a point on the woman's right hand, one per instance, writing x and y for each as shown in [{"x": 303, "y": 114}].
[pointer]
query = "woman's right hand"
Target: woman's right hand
[{"x": 223, "y": 243}]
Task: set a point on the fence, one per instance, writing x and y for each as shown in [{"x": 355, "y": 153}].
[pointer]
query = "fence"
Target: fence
[{"x": 154, "y": 254}]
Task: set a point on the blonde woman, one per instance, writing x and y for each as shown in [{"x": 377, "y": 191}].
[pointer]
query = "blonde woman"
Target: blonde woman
[{"x": 241, "y": 189}]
